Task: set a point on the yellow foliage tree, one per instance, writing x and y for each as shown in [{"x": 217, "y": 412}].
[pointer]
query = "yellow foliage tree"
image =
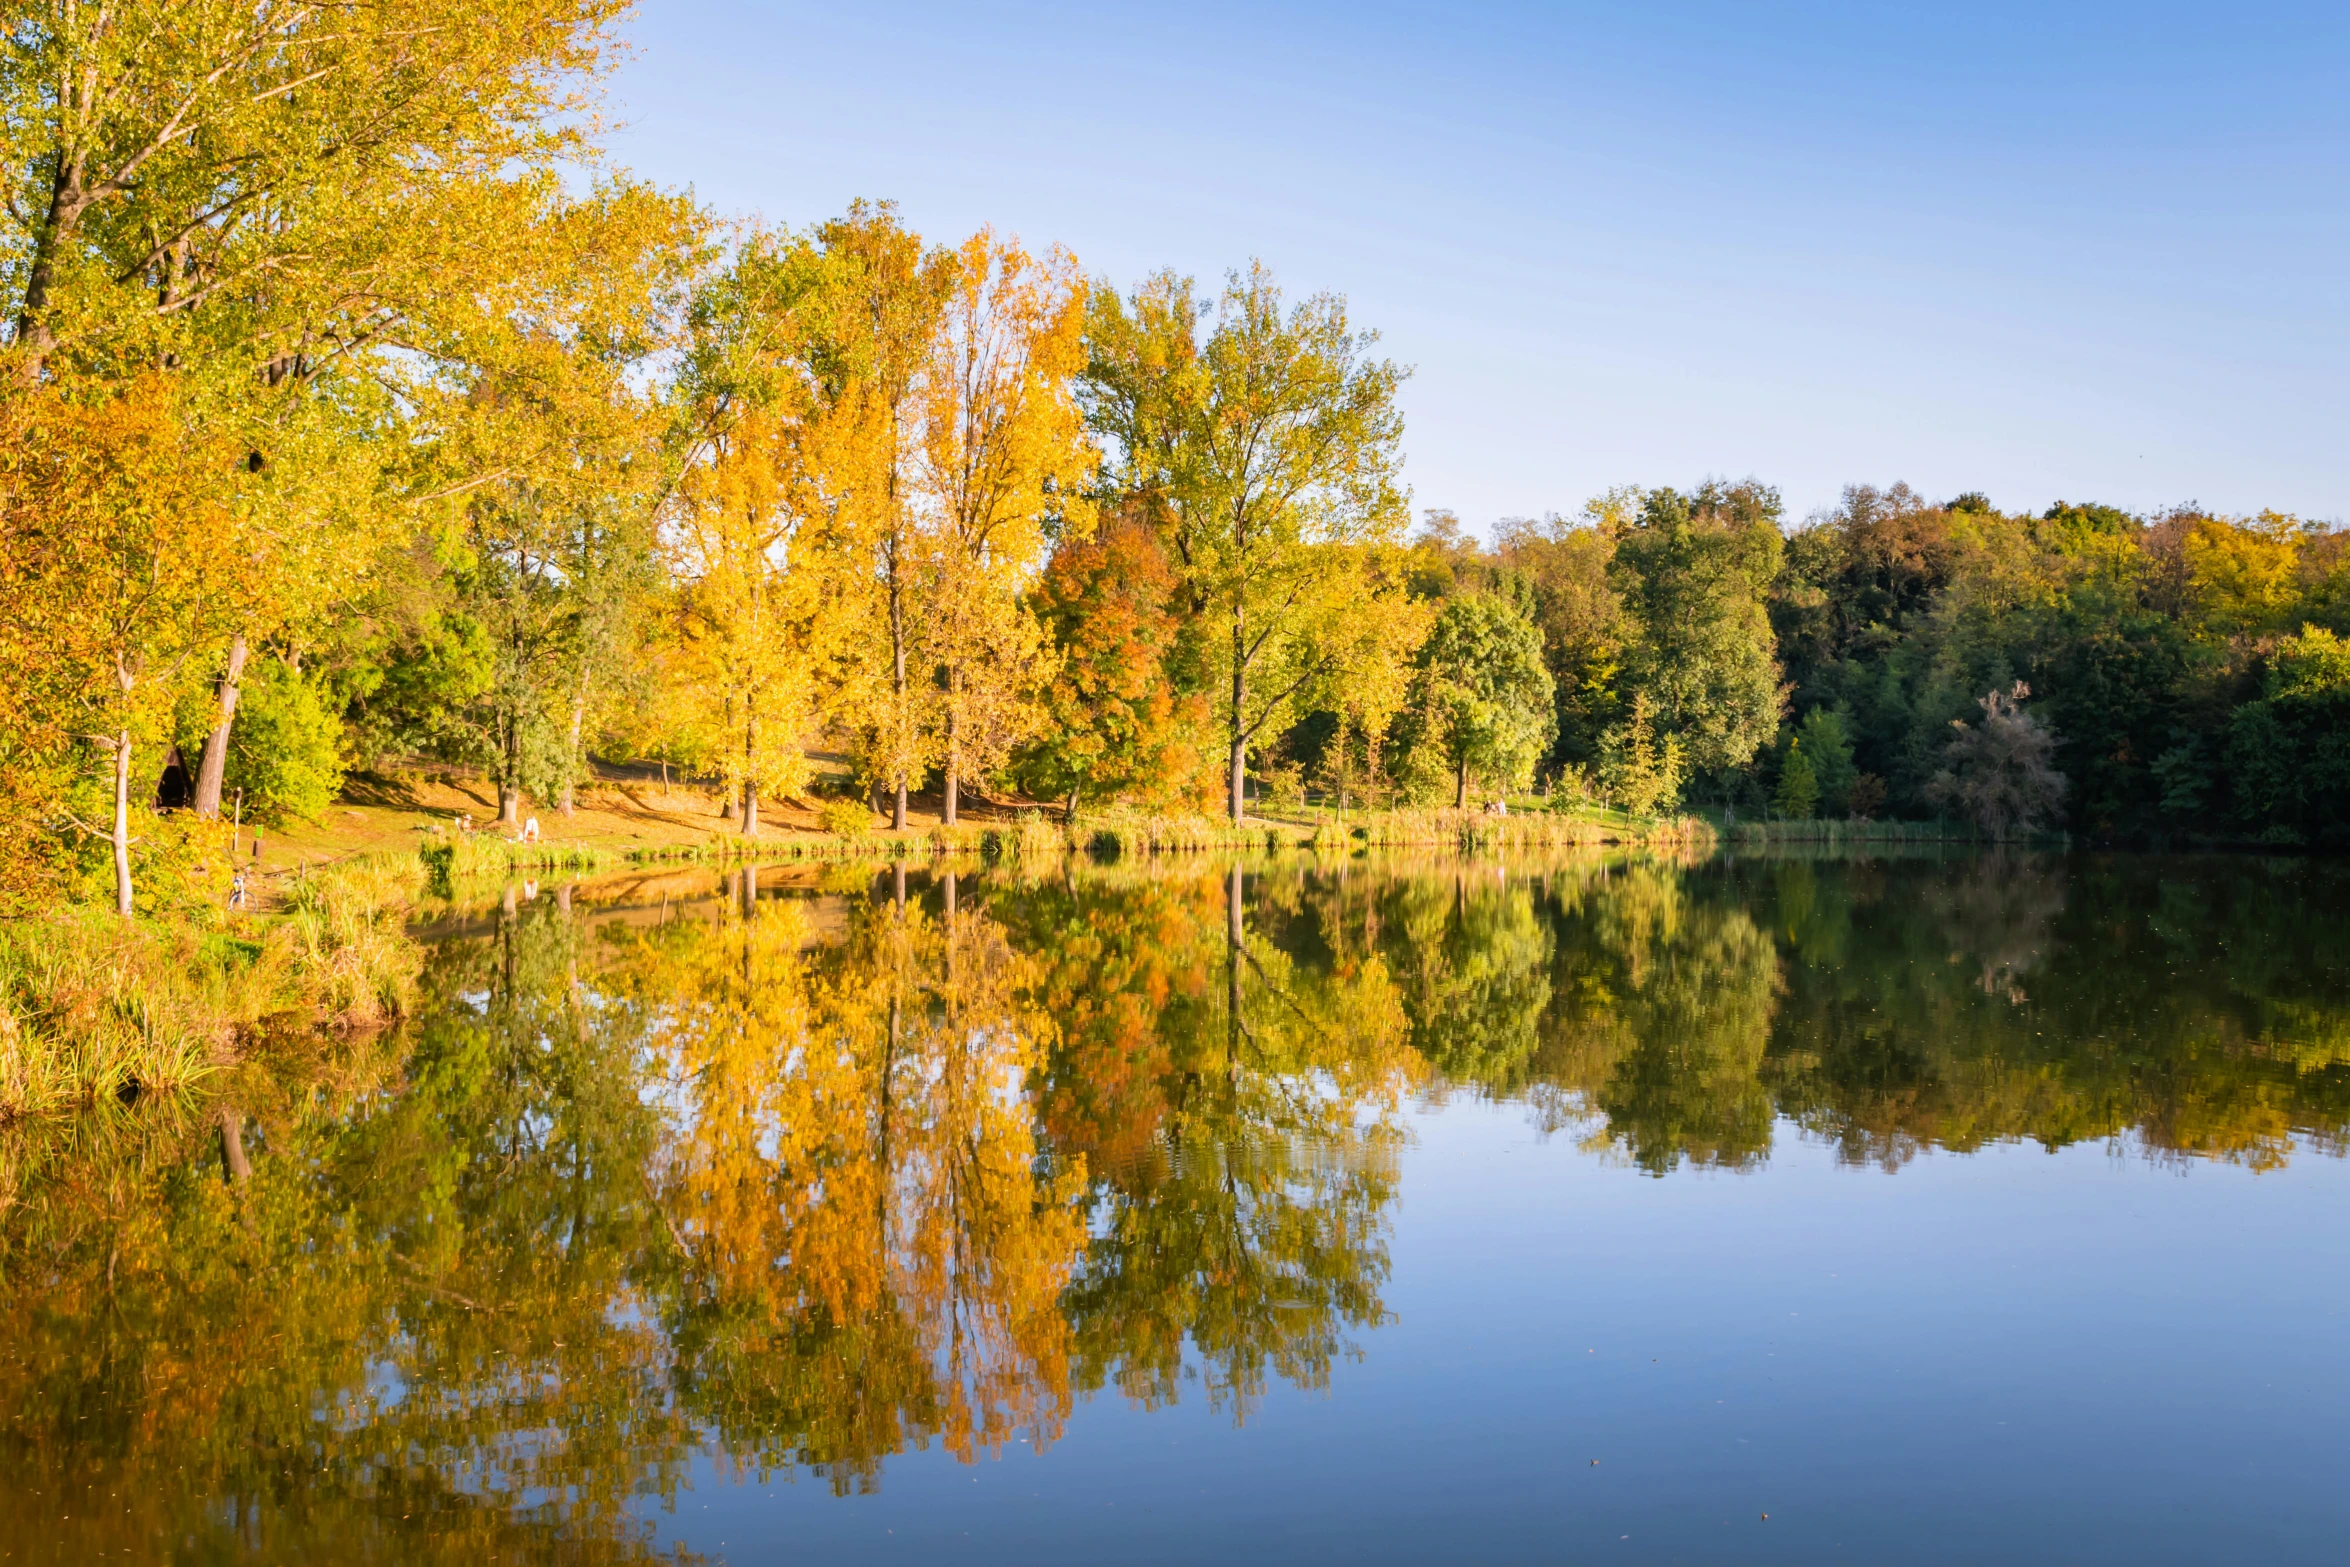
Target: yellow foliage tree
[
  {"x": 110, "y": 550},
  {"x": 1003, "y": 461}
]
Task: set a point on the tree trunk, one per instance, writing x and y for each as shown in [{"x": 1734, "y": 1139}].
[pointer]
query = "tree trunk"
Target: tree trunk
[
  {"x": 954, "y": 766},
  {"x": 67, "y": 201},
  {"x": 897, "y": 645},
  {"x": 1239, "y": 735},
  {"x": 1460, "y": 794},
  {"x": 578, "y": 719},
  {"x": 122, "y": 824},
  {"x": 750, "y": 818},
  {"x": 510, "y": 792},
  {"x": 214, "y": 768},
  {"x": 1069, "y": 813}
]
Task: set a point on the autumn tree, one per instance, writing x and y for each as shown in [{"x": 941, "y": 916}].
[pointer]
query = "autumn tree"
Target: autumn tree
[
  {"x": 1113, "y": 720},
  {"x": 108, "y": 543},
  {"x": 549, "y": 453},
  {"x": 872, "y": 345},
  {"x": 1003, "y": 465},
  {"x": 1271, "y": 446},
  {"x": 261, "y": 201},
  {"x": 749, "y": 584}
]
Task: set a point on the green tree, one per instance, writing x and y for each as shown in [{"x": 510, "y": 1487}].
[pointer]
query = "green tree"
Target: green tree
[
  {"x": 286, "y": 755},
  {"x": 2289, "y": 751},
  {"x": 1799, "y": 786},
  {"x": 1827, "y": 749},
  {"x": 1582, "y": 624},
  {"x": 1692, "y": 572},
  {"x": 1480, "y": 701}
]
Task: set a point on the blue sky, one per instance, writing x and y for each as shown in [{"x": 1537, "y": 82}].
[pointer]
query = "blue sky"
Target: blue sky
[{"x": 2089, "y": 251}]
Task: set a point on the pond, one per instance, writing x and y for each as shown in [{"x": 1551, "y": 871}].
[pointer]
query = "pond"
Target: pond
[{"x": 1757, "y": 1209}]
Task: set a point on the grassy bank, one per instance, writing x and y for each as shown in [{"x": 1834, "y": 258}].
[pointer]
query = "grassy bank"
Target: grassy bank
[{"x": 93, "y": 1007}]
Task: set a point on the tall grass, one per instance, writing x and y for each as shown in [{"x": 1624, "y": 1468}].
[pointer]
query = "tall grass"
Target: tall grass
[
  {"x": 1837, "y": 834},
  {"x": 94, "y": 1007},
  {"x": 1479, "y": 830},
  {"x": 456, "y": 857}
]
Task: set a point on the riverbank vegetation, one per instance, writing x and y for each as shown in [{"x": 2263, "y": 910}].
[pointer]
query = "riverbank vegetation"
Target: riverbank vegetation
[{"x": 357, "y": 413}]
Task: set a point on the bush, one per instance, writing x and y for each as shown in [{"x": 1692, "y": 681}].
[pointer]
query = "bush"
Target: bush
[{"x": 847, "y": 818}]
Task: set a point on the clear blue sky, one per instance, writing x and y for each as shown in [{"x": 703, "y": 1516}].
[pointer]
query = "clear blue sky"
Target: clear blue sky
[{"x": 2090, "y": 251}]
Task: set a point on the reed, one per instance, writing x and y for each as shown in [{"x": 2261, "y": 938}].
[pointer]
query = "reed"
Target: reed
[
  {"x": 1479, "y": 830},
  {"x": 1855, "y": 834}
]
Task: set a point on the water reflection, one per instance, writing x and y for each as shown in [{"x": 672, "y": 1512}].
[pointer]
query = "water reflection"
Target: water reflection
[{"x": 807, "y": 1171}]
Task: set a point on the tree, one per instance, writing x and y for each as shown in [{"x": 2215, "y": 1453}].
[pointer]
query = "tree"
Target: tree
[
  {"x": 1003, "y": 461},
  {"x": 285, "y": 758},
  {"x": 2289, "y": 751},
  {"x": 1272, "y": 446},
  {"x": 1113, "y": 722},
  {"x": 1828, "y": 752},
  {"x": 1692, "y": 573},
  {"x": 108, "y": 542},
  {"x": 1799, "y": 786},
  {"x": 2002, "y": 771},
  {"x": 751, "y": 582},
  {"x": 1581, "y": 620},
  {"x": 264, "y": 201},
  {"x": 873, "y": 334},
  {"x": 1642, "y": 773},
  {"x": 1480, "y": 700}
]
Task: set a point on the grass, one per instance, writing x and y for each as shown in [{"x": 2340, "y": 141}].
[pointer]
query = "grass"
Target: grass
[{"x": 96, "y": 1008}]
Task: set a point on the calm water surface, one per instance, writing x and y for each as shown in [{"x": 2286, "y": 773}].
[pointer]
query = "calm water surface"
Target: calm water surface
[{"x": 1587, "y": 1211}]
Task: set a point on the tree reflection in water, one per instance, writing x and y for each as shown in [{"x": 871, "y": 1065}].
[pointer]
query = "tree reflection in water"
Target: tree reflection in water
[{"x": 805, "y": 1180}]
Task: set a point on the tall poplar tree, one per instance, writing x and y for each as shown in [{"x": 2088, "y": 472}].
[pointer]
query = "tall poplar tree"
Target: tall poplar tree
[
  {"x": 872, "y": 343},
  {"x": 1005, "y": 463}
]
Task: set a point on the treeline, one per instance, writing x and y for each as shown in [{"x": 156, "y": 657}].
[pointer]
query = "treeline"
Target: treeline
[{"x": 355, "y": 410}]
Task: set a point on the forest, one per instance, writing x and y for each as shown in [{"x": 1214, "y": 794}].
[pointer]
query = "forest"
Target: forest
[{"x": 359, "y": 411}]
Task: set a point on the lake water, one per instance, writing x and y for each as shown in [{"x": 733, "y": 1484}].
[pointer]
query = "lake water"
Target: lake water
[{"x": 1596, "y": 1210}]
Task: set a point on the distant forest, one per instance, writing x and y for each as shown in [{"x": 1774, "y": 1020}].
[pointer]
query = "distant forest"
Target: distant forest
[{"x": 2178, "y": 676}]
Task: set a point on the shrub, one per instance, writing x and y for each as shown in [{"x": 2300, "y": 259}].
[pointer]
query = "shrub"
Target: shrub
[{"x": 847, "y": 818}]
